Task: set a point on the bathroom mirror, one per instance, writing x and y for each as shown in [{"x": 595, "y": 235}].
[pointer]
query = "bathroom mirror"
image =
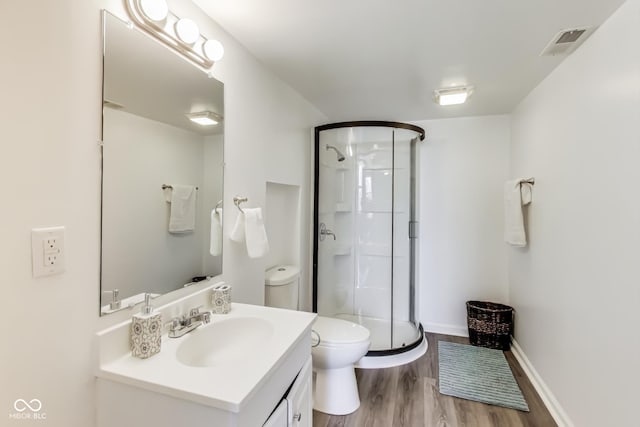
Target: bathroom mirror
[{"x": 150, "y": 150}]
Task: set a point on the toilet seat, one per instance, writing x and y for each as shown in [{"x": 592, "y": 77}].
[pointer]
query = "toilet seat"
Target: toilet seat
[{"x": 338, "y": 332}]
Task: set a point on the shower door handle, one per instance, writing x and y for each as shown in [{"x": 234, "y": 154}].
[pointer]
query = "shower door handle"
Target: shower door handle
[
  {"x": 324, "y": 231},
  {"x": 413, "y": 229}
]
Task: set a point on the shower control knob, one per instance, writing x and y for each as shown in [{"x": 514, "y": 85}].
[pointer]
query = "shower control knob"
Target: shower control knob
[{"x": 324, "y": 231}]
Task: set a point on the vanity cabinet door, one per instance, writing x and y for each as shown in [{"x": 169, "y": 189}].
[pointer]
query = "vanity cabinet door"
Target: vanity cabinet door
[
  {"x": 299, "y": 399},
  {"x": 279, "y": 417}
]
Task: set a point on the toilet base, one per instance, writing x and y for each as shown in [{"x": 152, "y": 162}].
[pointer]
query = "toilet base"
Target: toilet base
[{"x": 336, "y": 391}]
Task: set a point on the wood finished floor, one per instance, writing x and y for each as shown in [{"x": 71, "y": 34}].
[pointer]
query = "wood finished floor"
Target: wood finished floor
[{"x": 408, "y": 396}]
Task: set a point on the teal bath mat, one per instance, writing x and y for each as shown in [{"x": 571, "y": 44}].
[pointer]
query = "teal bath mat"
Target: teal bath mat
[{"x": 480, "y": 374}]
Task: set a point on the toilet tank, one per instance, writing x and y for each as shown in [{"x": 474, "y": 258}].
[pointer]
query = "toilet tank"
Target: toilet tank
[{"x": 281, "y": 287}]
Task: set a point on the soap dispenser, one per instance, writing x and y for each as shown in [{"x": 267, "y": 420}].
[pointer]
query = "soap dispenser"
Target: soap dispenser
[{"x": 146, "y": 331}]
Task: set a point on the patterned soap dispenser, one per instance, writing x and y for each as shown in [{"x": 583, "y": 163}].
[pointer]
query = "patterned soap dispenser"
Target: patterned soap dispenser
[{"x": 146, "y": 331}]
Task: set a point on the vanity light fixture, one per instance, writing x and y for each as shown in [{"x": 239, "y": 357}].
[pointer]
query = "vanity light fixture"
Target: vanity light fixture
[
  {"x": 453, "y": 95},
  {"x": 204, "y": 118},
  {"x": 155, "y": 10},
  {"x": 181, "y": 34},
  {"x": 213, "y": 50},
  {"x": 187, "y": 31}
]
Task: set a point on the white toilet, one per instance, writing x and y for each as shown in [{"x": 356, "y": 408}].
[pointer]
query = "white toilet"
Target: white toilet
[{"x": 337, "y": 346}]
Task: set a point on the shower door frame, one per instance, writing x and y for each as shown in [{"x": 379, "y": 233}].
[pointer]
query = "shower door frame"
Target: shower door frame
[{"x": 412, "y": 220}]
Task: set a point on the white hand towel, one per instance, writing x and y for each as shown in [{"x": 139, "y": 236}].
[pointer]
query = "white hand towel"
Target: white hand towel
[
  {"x": 255, "y": 233},
  {"x": 183, "y": 209},
  {"x": 215, "y": 244},
  {"x": 237, "y": 233},
  {"x": 517, "y": 193}
]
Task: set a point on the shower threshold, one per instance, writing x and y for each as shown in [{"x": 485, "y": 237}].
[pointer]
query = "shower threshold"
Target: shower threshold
[{"x": 409, "y": 341}]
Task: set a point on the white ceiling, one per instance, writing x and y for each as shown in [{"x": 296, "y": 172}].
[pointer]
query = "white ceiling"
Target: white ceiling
[{"x": 382, "y": 59}]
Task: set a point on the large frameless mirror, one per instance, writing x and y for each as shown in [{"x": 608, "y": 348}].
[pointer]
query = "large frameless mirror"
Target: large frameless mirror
[{"x": 162, "y": 172}]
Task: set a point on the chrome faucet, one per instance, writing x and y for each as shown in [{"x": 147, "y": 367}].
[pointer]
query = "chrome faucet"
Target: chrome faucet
[
  {"x": 115, "y": 299},
  {"x": 184, "y": 324}
]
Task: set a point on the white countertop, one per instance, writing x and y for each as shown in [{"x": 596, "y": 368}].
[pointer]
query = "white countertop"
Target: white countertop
[{"x": 225, "y": 387}]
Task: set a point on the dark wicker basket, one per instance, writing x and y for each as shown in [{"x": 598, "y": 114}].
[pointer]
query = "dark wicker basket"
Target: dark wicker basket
[{"x": 490, "y": 324}]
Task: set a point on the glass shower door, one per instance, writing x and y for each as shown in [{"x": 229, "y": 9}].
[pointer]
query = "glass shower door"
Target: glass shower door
[
  {"x": 363, "y": 253},
  {"x": 404, "y": 325}
]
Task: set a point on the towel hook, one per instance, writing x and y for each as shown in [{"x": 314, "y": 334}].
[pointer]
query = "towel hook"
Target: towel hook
[
  {"x": 531, "y": 181},
  {"x": 217, "y": 206},
  {"x": 237, "y": 200}
]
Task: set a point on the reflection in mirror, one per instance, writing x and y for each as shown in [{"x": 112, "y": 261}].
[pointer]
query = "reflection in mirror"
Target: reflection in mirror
[{"x": 162, "y": 171}]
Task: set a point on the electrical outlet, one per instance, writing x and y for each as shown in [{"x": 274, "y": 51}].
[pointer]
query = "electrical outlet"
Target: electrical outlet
[
  {"x": 51, "y": 245},
  {"x": 47, "y": 251}
]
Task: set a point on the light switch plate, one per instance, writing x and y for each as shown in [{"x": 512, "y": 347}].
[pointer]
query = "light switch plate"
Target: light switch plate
[{"x": 47, "y": 251}]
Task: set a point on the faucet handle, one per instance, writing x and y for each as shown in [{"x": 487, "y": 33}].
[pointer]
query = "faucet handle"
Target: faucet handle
[
  {"x": 206, "y": 317},
  {"x": 195, "y": 311},
  {"x": 173, "y": 323}
]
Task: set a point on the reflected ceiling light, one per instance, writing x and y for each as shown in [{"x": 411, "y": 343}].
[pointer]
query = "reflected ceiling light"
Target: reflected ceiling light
[
  {"x": 187, "y": 30},
  {"x": 453, "y": 95},
  {"x": 204, "y": 118},
  {"x": 155, "y": 10},
  {"x": 213, "y": 50}
]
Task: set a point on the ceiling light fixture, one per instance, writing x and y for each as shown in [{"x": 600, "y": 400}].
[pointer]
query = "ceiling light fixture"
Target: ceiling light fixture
[
  {"x": 204, "y": 118},
  {"x": 181, "y": 34},
  {"x": 453, "y": 95}
]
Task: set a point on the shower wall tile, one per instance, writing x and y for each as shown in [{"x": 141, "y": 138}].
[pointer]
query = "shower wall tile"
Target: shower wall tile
[
  {"x": 374, "y": 234},
  {"x": 401, "y": 288},
  {"x": 375, "y": 193}
]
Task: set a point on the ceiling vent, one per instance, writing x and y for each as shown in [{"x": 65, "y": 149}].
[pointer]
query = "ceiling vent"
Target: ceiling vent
[{"x": 566, "y": 41}]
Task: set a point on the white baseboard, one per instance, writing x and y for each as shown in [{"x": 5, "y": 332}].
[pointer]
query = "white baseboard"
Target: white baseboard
[
  {"x": 559, "y": 415},
  {"x": 440, "y": 328}
]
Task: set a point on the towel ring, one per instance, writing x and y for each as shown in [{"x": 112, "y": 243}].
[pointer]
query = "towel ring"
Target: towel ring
[
  {"x": 531, "y": 181},
  {"x": 217, "y": 206},
  {"x": 237, "y": 200}
]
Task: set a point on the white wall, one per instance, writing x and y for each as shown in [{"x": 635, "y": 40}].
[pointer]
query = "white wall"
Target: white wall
[
  {"x": 463, "y": 165},
  {"x": 576, "y": 288},
  {"x": 213, "y": 165},
  {"x": 139, "y": 254},
  {"x": 282, "y": 222},
  {"x": 50, "y": 170}
]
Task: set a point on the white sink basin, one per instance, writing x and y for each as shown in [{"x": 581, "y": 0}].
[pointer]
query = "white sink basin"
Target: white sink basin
[{"x": 225, "y": 341}]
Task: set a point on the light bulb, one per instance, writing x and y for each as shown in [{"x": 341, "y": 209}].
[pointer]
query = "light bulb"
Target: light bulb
[
  {"x": 187, "y": 30},
  {"x": 213, "y": 50},
  {"x": 155, "y": 10}
]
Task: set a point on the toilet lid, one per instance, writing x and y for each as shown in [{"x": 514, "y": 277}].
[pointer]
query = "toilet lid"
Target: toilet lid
[{"x": 338, "y": 331}]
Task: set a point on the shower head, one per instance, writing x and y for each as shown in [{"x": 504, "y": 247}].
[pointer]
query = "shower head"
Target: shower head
[{"x": 338, "y": 153}]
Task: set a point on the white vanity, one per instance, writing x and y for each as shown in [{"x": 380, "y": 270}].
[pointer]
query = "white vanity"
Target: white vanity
[{"x": 248, "y": 368}]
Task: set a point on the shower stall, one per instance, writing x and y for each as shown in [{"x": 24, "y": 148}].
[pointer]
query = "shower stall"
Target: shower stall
[{"x": 365, "y": 222}]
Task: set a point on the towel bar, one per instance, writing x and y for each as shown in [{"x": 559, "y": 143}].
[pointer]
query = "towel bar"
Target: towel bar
[{"x": 165, "y": 186}]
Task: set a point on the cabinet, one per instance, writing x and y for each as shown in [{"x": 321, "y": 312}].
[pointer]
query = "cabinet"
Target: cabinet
[{"x": 295, "y": 409}]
